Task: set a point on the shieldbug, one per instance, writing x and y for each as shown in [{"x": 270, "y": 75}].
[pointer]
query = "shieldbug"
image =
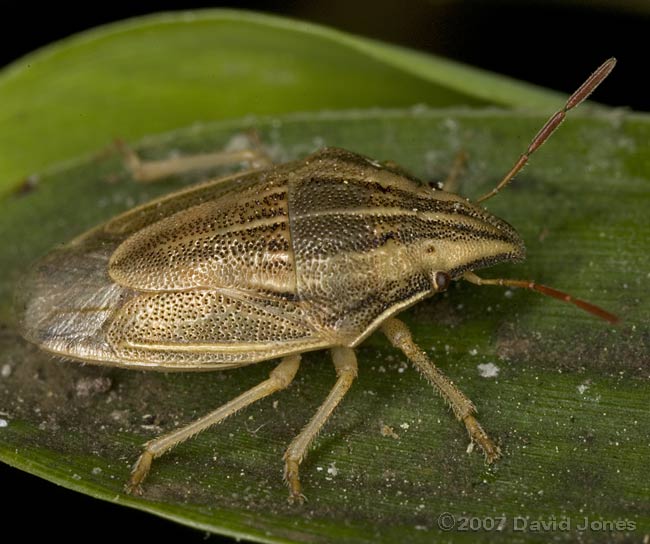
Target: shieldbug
[{"x": 271, "y": 263}]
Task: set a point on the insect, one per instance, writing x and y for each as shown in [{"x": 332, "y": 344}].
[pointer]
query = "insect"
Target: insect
[{"x": 272, "y": 263}]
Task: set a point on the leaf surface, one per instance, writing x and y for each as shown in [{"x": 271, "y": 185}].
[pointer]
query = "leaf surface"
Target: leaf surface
[
  {"x": 161, "y": 72},
  {"x": 568, "y": 406}
]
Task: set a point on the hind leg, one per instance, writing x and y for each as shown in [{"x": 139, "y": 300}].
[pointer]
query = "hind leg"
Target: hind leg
[{"x": 281, "y": 376}]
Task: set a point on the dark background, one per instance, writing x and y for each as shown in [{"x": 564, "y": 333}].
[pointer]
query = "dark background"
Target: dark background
[{"x": 553, "y": 44}]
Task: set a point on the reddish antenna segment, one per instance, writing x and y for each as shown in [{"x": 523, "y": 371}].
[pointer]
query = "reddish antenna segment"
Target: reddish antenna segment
[{"x": 550, "y": 291}]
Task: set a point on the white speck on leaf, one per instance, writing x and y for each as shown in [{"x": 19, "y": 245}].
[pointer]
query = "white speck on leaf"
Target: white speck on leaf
[
  {"x": 3, "y": 423},
  {"x": 488, "y": 370}
]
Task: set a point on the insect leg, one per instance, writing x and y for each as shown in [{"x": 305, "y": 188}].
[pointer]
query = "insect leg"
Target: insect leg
[
  {"x": 279, "y": 378},
  {"x": 400, "y": 336},
  {"x": 451, "y": 182},
  {"x": 345, "y": 362},
  {"x": 147, "y": 171}
]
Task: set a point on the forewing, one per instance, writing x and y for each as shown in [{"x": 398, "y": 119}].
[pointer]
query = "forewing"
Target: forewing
[
  {"x": 240, "y": 240},
  {"x": 203, "y": 329}
]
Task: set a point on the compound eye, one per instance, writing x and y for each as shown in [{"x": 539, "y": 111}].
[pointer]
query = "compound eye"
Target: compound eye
[{"x": 441, "y": 281}]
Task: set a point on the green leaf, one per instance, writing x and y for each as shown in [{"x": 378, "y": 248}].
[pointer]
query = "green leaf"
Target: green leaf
[
  {"x": 568, "y": 407},
  {"x": 160, "y": 72}
]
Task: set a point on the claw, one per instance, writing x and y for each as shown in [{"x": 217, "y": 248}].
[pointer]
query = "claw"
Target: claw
[
  {"x": 139, "y": 473},
  {"x": 296, "y": 499},
  {"x": 479, "y": 436},
  {"x": 291, "y": 476}
]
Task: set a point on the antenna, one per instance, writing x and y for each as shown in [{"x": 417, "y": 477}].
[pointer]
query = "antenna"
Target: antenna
[
  {"x": 555, "y": 121},
  {"x": 545, "y": 290}
]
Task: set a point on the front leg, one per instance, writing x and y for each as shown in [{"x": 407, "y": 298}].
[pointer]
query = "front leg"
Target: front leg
[{"x": 400, "y": 336}]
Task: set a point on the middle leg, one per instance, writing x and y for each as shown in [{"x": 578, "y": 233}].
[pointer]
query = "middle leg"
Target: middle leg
[{"x": 345, "y": 362}]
